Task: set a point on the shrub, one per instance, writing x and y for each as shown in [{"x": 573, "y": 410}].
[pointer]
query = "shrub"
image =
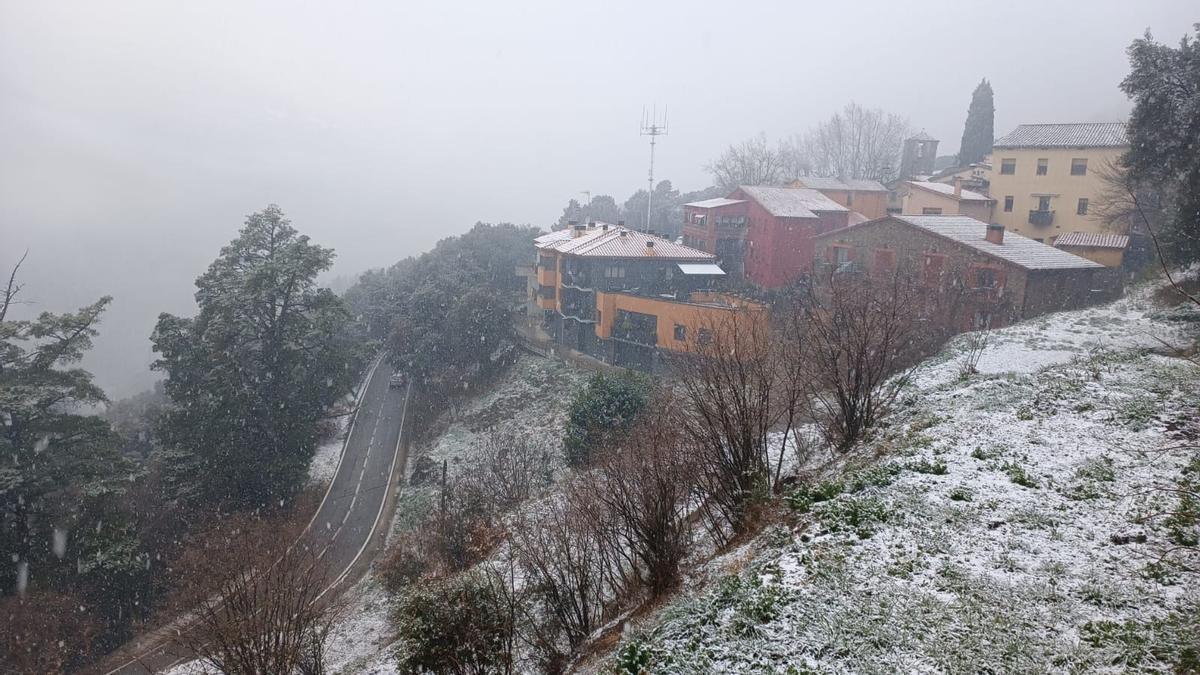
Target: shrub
[
  {"x": 456, "y": 625},
  {"x": 936, "y": 468},
  {"x": 608, "y": 405},
  {"x": 861, "y": 515},
  {"x": 1017, "y": 474},
  {"x": 962, "y": 494}
]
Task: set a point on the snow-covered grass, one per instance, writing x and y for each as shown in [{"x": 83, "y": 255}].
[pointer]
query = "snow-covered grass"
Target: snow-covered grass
[{"x": 1003, "y": 527}]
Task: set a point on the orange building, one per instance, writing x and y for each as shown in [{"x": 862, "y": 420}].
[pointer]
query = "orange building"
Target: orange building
[{"x": 624, "y": 296}]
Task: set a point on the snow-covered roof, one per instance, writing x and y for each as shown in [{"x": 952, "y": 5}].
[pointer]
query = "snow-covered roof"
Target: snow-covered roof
[
  {"x": 922, "y": 137},
  {"x": 1093, "y": 240},
  {"x": 785, "y": 202},
  {"x": 718, "y": 201},
  {"x": 557, "y": 235},
  {"x": 620, "y": 242},
  {"x": 948, "y": 190},
  {"x": 701, "y": 269},
  {"x": 835, "y": 183},
  {"x": 1016, "y": 249},
  {"x": 1076, "y": 135}
]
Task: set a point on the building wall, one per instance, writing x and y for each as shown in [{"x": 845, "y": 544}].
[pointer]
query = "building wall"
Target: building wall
[
  {"x": 871, "y": 204},
  {"x": 1024, "y": 186},
  {"x": 778, "y": 250},
  {"x": 912, "y": 247},
  {"x": 1058, "y": 290},
  {"x": 914, "y": 201},
  {"x": 669, "y": 314},
  {"x": 704, "y": 237},
  {"x": 1109, "y": 257}
]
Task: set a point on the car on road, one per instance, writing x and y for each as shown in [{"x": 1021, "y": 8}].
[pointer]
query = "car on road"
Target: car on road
[{"x": 397, "y": 380}]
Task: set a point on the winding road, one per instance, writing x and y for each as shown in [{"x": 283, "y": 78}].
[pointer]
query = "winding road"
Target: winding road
[{"x": 352, "y": 518}]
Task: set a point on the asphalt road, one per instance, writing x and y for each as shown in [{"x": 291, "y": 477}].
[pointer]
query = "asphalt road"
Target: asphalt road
[{"x": 350, "y": 514}]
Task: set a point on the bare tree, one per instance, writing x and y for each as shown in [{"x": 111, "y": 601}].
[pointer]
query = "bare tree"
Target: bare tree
[
  {"x": 259, "y": 605},
  {"x": 572, "y": 578},
  {"x": 511, "y": 466},
  {"x": 639, "y": 498},
  {"x": 857, "y": 142},
  {"x": 976, "y": 344},
  {"x": 858, "y": 332},
  {"x": 738, "y": 382},
  {"x": 751, "y": 162}
]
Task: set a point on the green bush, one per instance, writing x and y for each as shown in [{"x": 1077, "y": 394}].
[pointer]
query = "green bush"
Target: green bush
[
  {"x": 454, "y": 625},
  {"x": 608, "y": 405},
  {"x": 1017, "y": 474},
  {"x": 936, "y": 468}
]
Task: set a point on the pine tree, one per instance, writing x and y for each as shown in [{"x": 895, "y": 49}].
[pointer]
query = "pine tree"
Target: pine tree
[
  {"x": 978, "y": 131},
  {"x": 251, "y": 376}
]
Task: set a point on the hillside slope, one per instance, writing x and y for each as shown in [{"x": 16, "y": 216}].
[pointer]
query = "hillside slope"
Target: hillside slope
[{"x": 1001, "y": 523}]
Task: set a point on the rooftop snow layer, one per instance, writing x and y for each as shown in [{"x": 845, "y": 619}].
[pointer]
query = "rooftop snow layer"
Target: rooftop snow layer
[
  {"x": 1077, "y": 135},
  {"x": 948, "y": 190},
  {"x": 783, "y": 202},
  {"x": 835, "y": 183},
  {"x": 1016, "y": 249}
]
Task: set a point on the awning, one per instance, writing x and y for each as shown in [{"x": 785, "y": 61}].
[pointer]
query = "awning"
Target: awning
[{"x": 701, "y": 269}]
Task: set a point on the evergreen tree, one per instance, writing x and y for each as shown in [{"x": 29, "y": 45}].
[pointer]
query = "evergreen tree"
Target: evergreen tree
[
  {"x": 1164, "y": 137},
  {"x": 978, "y": 132},
  {"x": 251, "y": 376}
]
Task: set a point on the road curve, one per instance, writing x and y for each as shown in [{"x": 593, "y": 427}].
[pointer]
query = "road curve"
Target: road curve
[{"x": 349, "y": 516}]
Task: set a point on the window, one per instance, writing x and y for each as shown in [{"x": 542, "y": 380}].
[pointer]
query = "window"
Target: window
[
  {"x": 841, "y": 254},
  {"x": 931, "y": 211},
  {"x": 1043, "y": 203},
  {"x": 934, "y": 264},
  {"x": 885, "y": 261},
  {"x": 680, "y": 332},
  {"x": 614, "y": 272},
  {"x": 1043, "y": 165},
  {"x": 1079, "y": 167},
  {"x": 1008, "y": 167},
  {"x": 1008, "y": 204},
  {"x": 985, "y": 278},
  {"x": 1082, "y": 208},
  {"x": 704, "y": 336},
  {"x": 849, "y": 199}
]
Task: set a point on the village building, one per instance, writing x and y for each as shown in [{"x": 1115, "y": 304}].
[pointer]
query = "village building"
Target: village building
[
  {"x": 1046, "y": 178},
  {"x": 975, "y": 177},
  {"x": 868, "y": 197},
  {"x": 1106, "y": 249},
  {"x": 624, "y": 296},
  {"x": 763, "y": 233},
  {"x": 918, "y": 157},
  {"x": 990, "y": 276},
  {"x": 927, "y": 198}
]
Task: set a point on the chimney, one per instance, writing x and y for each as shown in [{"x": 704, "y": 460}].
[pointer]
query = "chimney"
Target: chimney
[
  {"x": 649, "y": 247},
  {"x": 579, "y": 231},
  {"x": 591, "y": 223},
  {"x": 958, "y": 187},
  {"x": 604, "y": 227},
  {"x": 620, "y": 223},
  {"x": 624, "y": 232},
  {"x": 995, "y": 233}
]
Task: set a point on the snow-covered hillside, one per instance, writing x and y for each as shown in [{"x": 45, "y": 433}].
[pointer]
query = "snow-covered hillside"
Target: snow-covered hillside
[{"x": 1001, "y": 523}]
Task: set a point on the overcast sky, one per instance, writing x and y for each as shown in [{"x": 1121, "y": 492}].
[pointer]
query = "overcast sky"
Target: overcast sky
[{"x": 135, "y": 136}]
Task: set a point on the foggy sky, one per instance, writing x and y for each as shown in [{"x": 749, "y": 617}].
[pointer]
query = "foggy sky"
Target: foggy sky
[{"x": 136, "y": 136}]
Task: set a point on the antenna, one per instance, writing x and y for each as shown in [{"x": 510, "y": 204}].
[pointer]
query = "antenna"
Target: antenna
[{"x": 651, "y": 127}]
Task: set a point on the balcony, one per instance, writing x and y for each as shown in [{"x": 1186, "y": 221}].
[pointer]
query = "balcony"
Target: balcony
[{"x": 1039, "y": 217}]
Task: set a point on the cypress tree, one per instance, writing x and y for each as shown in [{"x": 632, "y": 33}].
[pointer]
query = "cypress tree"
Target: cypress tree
[{"x": 978, "y": 132}]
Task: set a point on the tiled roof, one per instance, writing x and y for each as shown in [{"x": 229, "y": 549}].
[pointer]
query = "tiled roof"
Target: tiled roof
[
  {"x": 784, "y": 202},
  {"x": 1078, "y": 135},
  {"x": 619, "y": 242},
  {"x": 1016, "y": 249},
  {"x": 556, "y": 235},
  {"x": 719, "y": 201},
  {"x": 835, "y": 183},
  {"x": 1093, "y": 240},
  {"x": 948, "y": 190}
]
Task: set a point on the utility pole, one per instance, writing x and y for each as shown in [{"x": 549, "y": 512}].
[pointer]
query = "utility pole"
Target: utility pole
[{"x": 650, "y": 127}]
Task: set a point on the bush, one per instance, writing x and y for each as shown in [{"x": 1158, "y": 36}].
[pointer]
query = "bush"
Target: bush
[
  {"x": 607, "y": 406},
  {"x": 1017, "y": 474},
  {"x": 457, "y": 625}
]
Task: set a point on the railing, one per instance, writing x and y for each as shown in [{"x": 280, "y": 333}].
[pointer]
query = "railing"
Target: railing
[{"x": 1039, "y": 217}]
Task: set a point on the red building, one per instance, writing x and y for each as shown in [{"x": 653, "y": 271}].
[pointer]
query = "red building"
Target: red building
[
  {"x": 763, "y": 233},
  {"x": 781, "y": 224}
]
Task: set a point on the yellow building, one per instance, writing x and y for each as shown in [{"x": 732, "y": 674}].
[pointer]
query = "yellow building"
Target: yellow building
[
  {"x": 923, "y": 198},
  {"x": 1046, "y": 177}
]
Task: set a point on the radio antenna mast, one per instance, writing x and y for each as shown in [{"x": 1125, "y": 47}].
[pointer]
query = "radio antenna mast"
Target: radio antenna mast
[{"x": 651, "y": 127}]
